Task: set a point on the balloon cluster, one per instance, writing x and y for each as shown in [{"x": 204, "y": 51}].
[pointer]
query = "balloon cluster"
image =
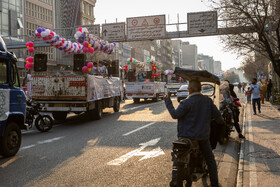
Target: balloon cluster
[
  {"x": 168, "y": 72},
  {"x": 29, "y": 60},
  {"x": 137, "y": 63},
  {"x": 92, "y": 43},
  {"x": 82, "y": 36},
  {"x": 155, "y": 75},
  {"x": 125, "y": 68},
  {"x": 88, "y": 67},
  {"x": 30, "y": 47}
]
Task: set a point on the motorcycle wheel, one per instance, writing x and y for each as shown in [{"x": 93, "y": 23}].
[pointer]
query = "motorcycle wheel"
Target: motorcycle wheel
[{"x": 44, "y": 123}]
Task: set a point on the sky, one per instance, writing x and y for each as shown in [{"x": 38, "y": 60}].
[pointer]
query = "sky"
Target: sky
[{"x": 119, "y": 10}]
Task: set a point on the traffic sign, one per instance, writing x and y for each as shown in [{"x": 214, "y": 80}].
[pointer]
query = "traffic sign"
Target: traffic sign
[
  {"x": 202, "y": 23},
  {"x": 113, "y": 32},
  {"x": 93, "y": 29},
  {"x": 146, "y": 28}
]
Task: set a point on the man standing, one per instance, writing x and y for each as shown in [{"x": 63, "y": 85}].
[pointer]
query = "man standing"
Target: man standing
[
  {"x": 256, "y": 89},
  {"x": 194, "y": 116}
]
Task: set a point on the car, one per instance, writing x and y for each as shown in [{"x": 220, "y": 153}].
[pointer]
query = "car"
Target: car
[{"x": 182, "y": 93}]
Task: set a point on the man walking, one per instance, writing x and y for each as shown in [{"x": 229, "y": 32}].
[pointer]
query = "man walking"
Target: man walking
[
  {"x": 256, "y": 89},
  {"x": 194, "y": 116}
]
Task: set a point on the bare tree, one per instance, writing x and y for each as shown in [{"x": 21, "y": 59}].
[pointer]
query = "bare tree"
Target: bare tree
[
  {"x": 254, "y": 26},
  {"x": 254, "y": 66}
]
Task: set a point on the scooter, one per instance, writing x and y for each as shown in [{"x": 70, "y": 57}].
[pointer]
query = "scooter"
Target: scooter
[
  {"x": 43, "y": 123},
  {"x": 191, "y": 164}
]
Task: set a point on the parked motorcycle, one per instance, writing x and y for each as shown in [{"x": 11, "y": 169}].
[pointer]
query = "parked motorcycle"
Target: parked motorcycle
[
  {"x": 42, "y": 122},
  {"x": 191, "y": 164}
]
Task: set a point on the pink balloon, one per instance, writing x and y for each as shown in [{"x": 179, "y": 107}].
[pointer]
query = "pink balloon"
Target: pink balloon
[
  {"x": 80, "y": 29},
  {"x": 91, "y": 50},
  {"x": 85, "y": 69},
  {"x": 85, "y": 50},
  {"x": 90, "y": 65},
  {"x": 85, "y": 44},
  {"x": 30, "y": 65},
  {"x": 31, "y": 44},
  {"x": 31, "y": 49},
  {"x": 26, "y": 66},
  {"x": 31, "y": 59}
]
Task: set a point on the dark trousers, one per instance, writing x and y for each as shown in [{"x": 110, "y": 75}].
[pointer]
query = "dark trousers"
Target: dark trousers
[
  {"x": 258, "y": 101},
  {"x": 206, "y": 150},
  {"x": 268, "y": 94}
]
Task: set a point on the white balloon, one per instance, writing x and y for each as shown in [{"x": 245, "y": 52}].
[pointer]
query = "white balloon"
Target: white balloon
[
  {"x": 44, "y": 34},
  {"x": 85, "y": 30},
  {"x": 48, "y": 31}
]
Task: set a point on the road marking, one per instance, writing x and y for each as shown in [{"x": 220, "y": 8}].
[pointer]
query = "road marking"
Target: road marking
[
  {"x": 10, "y": 161},
  {"x": 41, "y": 142},
  {"x": 28, "y": 131},
  {"x": 139, "y": 129},
  {"x": 27, "y": 147},
  {"x": 50, "y": 140},
  {"x": 138, "y": 152},
  {"x": 252, "y": 166}
]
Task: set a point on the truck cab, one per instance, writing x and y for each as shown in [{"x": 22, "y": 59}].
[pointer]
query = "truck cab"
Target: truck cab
[{"x": 12, "y": 103}]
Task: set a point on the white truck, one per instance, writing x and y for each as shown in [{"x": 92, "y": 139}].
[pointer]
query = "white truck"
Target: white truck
[
  {"x": 145, "y": 90},
  {"x": 173, "y": 87},
  {"x": 76, "y": 93}
]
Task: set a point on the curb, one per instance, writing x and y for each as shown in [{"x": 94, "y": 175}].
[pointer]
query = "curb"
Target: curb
[{"x": 239, "y": 182}]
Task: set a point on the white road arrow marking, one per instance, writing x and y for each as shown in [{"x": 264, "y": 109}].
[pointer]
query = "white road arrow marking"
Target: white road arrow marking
[{"x": 138, "y": 152}]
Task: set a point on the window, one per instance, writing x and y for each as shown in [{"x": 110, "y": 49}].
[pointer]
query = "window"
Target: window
[
  {"x": 14, "y": 77},
  {"x": 3, "y": 73}
]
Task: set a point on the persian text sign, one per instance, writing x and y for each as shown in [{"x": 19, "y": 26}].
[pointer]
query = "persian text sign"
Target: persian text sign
[
  {"x": 113, "y": 32},
  {"x": 143, "y": 28},
  {"x": 203, "y": 23}
]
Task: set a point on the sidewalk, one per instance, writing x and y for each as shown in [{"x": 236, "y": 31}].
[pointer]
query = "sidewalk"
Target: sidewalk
[{"x": 259, "y": 163}]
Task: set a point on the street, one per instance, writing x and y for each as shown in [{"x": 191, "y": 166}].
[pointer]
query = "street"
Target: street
[{"x": 129, "y": 148}]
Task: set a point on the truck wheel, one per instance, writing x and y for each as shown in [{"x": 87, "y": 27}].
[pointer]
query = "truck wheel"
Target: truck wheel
[
  {"x": 155, "y": 99},
  {"x": 59, "y": 116},
  {"x": 96, "y": 113},
  {"x": 10, "y": 142},
  {"x": 136, "y": 100},
  {"x": 117, "y": 105}
]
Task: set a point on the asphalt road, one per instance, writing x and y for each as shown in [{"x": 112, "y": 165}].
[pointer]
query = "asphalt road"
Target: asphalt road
[{"x": 129, "y": 148}]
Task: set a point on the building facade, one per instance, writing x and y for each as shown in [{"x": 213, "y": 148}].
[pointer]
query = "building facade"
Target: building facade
[
  {"x": 207, "y": 61},
  {"x": 177, "y": 53},
  {"x": 217, "y": 67},
  {"x": 189, "y": 52}
]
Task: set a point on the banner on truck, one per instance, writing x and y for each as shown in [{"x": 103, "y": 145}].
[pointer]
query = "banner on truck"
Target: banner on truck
[
  {"x": 4, "y": 104},
  {"x": 103, "y": 88}
]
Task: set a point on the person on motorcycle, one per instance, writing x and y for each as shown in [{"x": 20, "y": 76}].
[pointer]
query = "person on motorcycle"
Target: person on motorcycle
[
  {"x": 194, "y": 116},
  {"x": 229, "y": 98}
]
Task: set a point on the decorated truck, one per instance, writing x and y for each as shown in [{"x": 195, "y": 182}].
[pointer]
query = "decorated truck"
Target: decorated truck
[
  {"x": 144, "y": 80},
  {"x": 12, "y": 104},
  {"x": 77, "y": 93}
]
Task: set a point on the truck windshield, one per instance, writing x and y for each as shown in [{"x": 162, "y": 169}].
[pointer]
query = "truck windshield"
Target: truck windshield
[{"x": 3, "y": 73}]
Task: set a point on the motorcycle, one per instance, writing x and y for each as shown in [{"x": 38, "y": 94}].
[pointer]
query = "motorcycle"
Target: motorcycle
[
  {"x": 230, "y": 114},
  {"x": 43, "y": 123},
  {"x": 191, "y": 164}
]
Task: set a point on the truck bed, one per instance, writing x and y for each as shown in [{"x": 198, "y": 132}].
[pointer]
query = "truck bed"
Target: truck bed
[{"x": 74, "y": 88}]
